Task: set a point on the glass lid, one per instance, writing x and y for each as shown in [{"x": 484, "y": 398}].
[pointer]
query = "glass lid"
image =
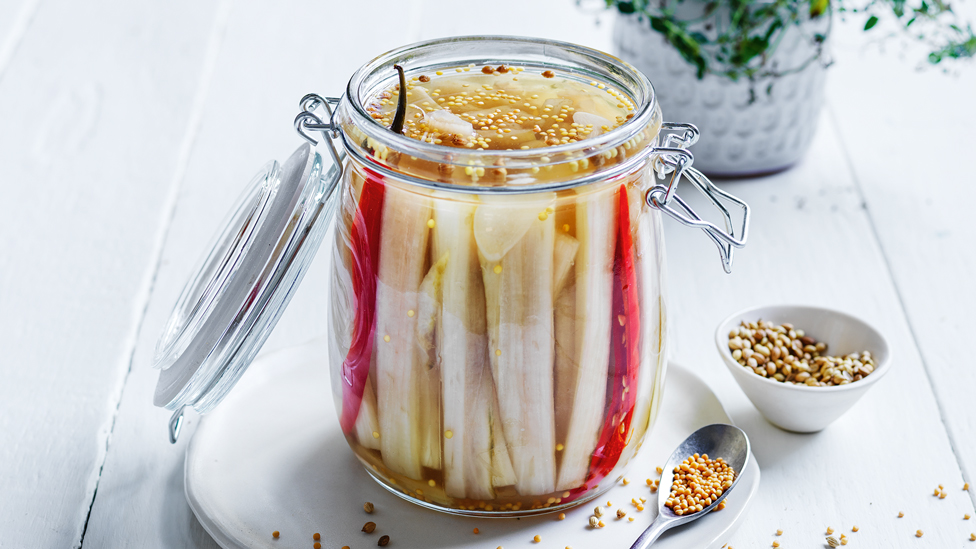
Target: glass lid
[{"x": 242, "y": 285}]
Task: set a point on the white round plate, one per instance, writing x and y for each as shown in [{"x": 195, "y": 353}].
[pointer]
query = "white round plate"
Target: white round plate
[{"x": 272, "y": 457}]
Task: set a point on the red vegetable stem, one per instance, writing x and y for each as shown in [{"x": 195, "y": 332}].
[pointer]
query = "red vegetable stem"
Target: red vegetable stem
[
  {"x": 365, "y": 250},
  {"x": 624, "y": 358}
]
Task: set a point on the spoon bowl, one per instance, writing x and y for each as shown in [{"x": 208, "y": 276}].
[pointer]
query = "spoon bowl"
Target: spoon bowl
[{"x": 718, "y": 441}]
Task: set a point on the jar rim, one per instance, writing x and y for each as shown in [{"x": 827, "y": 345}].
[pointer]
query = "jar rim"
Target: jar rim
[{"x": 537, "y": 52}]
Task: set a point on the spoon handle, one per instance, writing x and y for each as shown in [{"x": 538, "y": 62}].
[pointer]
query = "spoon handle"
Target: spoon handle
[{"x": 653, "y": 532}]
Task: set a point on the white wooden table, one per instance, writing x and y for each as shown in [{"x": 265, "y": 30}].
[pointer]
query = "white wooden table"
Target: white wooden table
[{"x": 128, "y": 126}]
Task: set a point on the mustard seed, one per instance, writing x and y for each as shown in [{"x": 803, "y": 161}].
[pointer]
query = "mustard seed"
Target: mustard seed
[
  {"x": 699, "y": 482},
  {"x": 855, "y": 528},
  {"x": 562, "y": 516},
  {"x": 275, "y": 534},
  {"x": 900, "y": 514},
  {"x": 537, "y": 538},
  {"x": 779, "y": 532},
  {"x": 316, "y": 545},
  {"x": 918, "y": 533}
]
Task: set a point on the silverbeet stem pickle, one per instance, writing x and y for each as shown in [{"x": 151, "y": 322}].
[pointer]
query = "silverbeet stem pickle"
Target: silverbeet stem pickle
[{"x": 497, "y": 352}]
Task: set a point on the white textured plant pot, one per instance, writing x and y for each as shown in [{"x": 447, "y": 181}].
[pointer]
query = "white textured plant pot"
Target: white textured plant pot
[{"x": 738, "y": 137}]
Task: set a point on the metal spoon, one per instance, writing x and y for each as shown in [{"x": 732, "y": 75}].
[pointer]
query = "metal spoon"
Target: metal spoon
[{"x": 718, "y": 441}]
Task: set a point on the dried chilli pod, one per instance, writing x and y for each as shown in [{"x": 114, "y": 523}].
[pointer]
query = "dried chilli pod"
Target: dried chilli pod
[{"x": 401, "y": 113}]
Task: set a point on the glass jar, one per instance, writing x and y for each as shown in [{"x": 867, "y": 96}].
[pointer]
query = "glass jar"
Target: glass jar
[{"x": 497, "y": 324}]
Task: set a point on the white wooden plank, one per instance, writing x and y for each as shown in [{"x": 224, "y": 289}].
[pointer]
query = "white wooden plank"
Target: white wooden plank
[
  {"x": 909, "y": 137},
  {"x": 15, "y": 19},
  {"x": 811, "y": 243},
  {"x": 82, "y": 188}
]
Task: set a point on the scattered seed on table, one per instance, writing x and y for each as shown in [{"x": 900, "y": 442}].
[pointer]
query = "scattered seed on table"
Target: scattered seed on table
[
  {"x": 316, "y": 545},
  {"x": 275, "y": 534},
  {"x": 621, "y": 513},
  {"x": 594, "y": 522},
  {"x": 537, "y": 538},
  {"x": 368, "y": 507},
  {"x": 855, "y": 528},
  {"x": 600, "y": 524},
  {"x": 830, "y": 530},
  {"x": 972, "y": 537},
  {"x": 779, "y": 532},
  {"x": 316, "y": 536},
  {"x": 383, "y": 541},
  {"x": 476, "y": 531},
  {"x": 598, "y": 511},
  {"x": 942, "y": 495},
  {"x": 631, "y": 519},
  {"x": 659, "y": 470},
  {"x": 609, "y": 504},
  {"x": 965, "y": 486},
  {"x": 626, "y": 481},
  {"x": 832, "y": 541},
  {"x": 900, "y": 514},
  {"x": 775, "y": 543},
  {"x": 562, "y": 516},
  {"x": 965, "y": 517},
  {"x": 936, "y": 492},
  {"x": 918, "y": 533},
  {"x": 369, "y": 527}
]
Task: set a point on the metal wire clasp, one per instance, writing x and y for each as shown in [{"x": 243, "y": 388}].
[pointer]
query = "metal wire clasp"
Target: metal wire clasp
[
  {"x": 673, "y": 158},
  {"x": 308, "y": 120}
]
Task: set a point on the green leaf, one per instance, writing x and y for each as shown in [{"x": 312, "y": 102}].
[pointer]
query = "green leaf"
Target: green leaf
[
  {"x": 872, "y": 21},
  {"x": 626, "y": 7},
  {"x": 818, "y": 7}
]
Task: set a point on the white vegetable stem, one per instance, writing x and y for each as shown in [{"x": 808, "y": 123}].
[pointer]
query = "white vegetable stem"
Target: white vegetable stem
[
  {"x": 462, "y": 355},
  {"x": 429, "y": 385},
  {"x": 596, "y": 229},
  {"x": 399, "y": 361},
  {"x": 564, "y": 320},
  {"x": 520, "y": 327}
]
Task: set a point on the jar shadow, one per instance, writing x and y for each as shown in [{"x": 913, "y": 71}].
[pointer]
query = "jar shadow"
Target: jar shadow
[{"x": 335, "y": 486}]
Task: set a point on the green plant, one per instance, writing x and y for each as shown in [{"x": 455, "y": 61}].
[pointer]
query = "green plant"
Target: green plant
[{"x": 737, "y": 38}]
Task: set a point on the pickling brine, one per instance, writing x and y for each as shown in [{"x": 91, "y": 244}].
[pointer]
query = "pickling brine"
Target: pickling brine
[{"x": 498, "y": 353}]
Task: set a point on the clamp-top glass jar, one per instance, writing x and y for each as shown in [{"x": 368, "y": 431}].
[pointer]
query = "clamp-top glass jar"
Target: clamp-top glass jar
[{"x": 498, "y": 324}]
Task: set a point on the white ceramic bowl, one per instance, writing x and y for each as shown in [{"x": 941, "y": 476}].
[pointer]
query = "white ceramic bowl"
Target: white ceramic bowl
[{"x": 800, "y": 408}]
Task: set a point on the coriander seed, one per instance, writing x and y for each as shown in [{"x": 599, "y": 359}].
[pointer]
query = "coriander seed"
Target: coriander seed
[
  {"x": 368, "y": 507},
  {"x": 383, "y": 541},
  {"x": 369, "y": 527}
]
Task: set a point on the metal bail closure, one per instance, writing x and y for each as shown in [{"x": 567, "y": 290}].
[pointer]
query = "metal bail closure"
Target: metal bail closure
[
  {"x": 242, "y": 285},
  {"x": 672, "y": 158}
]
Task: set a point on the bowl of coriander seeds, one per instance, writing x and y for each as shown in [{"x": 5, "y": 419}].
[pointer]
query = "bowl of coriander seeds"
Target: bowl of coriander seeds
[{"x": 802, "y": 366}]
